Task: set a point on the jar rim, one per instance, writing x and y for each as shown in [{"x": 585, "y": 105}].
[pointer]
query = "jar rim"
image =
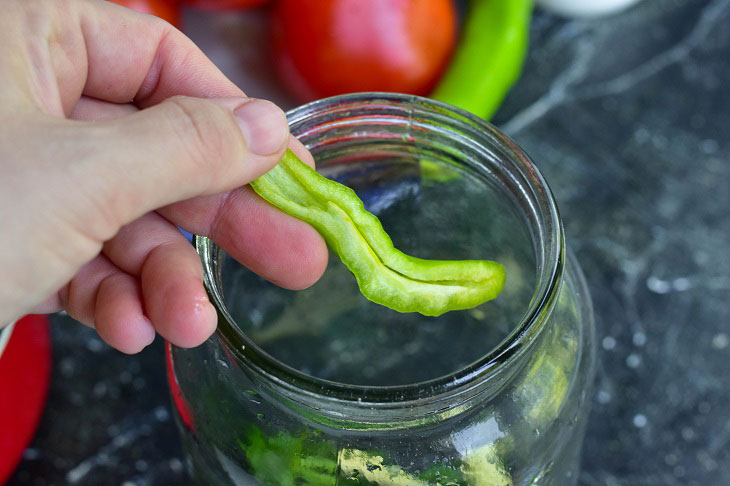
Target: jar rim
[{"x": 513, "y": 345}]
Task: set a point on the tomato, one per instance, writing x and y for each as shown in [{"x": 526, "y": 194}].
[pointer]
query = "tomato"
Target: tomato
[
  {"x": 165, "y": 9},
  {"x": 25, "y": 368},
  {"x": 330, "y": 47},
  {"x": 224, "y": 4}
]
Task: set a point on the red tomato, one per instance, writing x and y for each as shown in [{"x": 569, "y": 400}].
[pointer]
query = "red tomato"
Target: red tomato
[
  {"x": 25, "y": 368},
  {"x": 330, "y": 47},
  {"x": 224, "y": 4},
  {"x": 164, "y": 9}
]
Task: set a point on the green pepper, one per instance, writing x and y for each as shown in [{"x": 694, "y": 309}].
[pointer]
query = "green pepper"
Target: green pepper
[
  {"x": 488, "y": 59},
  {"x": 483, "y": 467},
  {"x": 286, "y": 460},
  {"x": 385, "y": 275},
  {"x": 366, "y": 468}
]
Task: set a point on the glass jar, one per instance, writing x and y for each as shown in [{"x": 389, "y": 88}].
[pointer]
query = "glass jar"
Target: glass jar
[{"x": 321, "y": 387}]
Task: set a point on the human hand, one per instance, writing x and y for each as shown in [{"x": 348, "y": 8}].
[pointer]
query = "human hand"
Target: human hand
[{"x": 106, "y": 145}]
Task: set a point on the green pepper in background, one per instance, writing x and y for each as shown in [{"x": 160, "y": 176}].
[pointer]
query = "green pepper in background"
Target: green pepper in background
[
  {"x": 385, "y": 275},
  {"x": 489, "y": 56}
]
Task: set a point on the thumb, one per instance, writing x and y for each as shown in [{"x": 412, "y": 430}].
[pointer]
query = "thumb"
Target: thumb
[
  {"x": 69, "y": 186},
  {"x": 178, "y": 149}
]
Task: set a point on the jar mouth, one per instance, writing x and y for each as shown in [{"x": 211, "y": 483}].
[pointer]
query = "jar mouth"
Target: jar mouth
[{"x": 548, "y": 242}]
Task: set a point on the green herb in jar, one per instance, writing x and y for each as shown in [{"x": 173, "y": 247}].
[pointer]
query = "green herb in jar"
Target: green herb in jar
[
  {"x": 291, "y": 460},
  {"x": 384, "y": 274}
]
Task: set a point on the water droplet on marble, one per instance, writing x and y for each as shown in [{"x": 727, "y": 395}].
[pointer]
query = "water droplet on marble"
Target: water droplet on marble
[
  {"x": 681, "y": 284},
  {"x": 657, "y": 285},
  {"x": 603, "y": 396},
  {"x": 720, "y": 341},
  {"x": 125, "y": 377},
  {"x": 175, "y": 465},
  {"x": 161, "y": 414},
  {"x": 639, "y": 339},
  {"x": 640, "y": 421},
  {"x": 709, "y": 146},
  {"x": 608, "y": 343},
  {"x": 633, "y": 360}
]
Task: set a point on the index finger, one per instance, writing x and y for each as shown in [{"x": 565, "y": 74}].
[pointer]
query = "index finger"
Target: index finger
[{"x": 131, "y": 56}]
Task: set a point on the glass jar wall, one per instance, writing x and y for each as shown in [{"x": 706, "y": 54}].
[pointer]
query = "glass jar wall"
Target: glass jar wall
[{"x": 322, "y": 387}]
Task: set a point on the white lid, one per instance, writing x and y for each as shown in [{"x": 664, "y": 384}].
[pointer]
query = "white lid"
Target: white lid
[{"x": 585, "y": 8}]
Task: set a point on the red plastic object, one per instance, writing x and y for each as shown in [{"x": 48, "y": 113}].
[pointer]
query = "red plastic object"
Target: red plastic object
[
  {"x": 177, "y": 396},
  {"x": 25, "y": 369}
]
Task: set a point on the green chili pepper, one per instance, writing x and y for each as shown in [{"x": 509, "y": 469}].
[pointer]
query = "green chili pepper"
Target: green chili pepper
[
  {"x": 488, "y": 59},
  {"x": 385, "y": 275}
]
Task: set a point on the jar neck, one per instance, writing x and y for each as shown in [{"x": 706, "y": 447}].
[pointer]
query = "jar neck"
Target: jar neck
[{"x": 446, "y": 132}]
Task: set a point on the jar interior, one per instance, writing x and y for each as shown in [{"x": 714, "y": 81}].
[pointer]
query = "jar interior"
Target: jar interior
[{"x": 434, "y": 202}]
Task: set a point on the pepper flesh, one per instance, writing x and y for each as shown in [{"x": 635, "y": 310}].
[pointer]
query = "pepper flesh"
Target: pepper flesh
[
  {"x": 384, "y": 274},
  {"x": 489, "y": 56}
]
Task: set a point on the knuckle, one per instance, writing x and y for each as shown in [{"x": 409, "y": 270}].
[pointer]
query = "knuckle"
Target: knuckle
[{"x": 207, "y": 132}]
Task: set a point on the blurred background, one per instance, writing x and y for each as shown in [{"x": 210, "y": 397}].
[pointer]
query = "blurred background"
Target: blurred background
[{"x": 625, "y": 108}]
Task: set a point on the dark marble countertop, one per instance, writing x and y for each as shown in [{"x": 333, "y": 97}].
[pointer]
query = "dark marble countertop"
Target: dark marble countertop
[{"x": 627, "y": 117}]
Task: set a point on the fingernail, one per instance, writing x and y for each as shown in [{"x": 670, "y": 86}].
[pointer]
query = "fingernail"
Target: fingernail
[{"x": 264, "y": 126}]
